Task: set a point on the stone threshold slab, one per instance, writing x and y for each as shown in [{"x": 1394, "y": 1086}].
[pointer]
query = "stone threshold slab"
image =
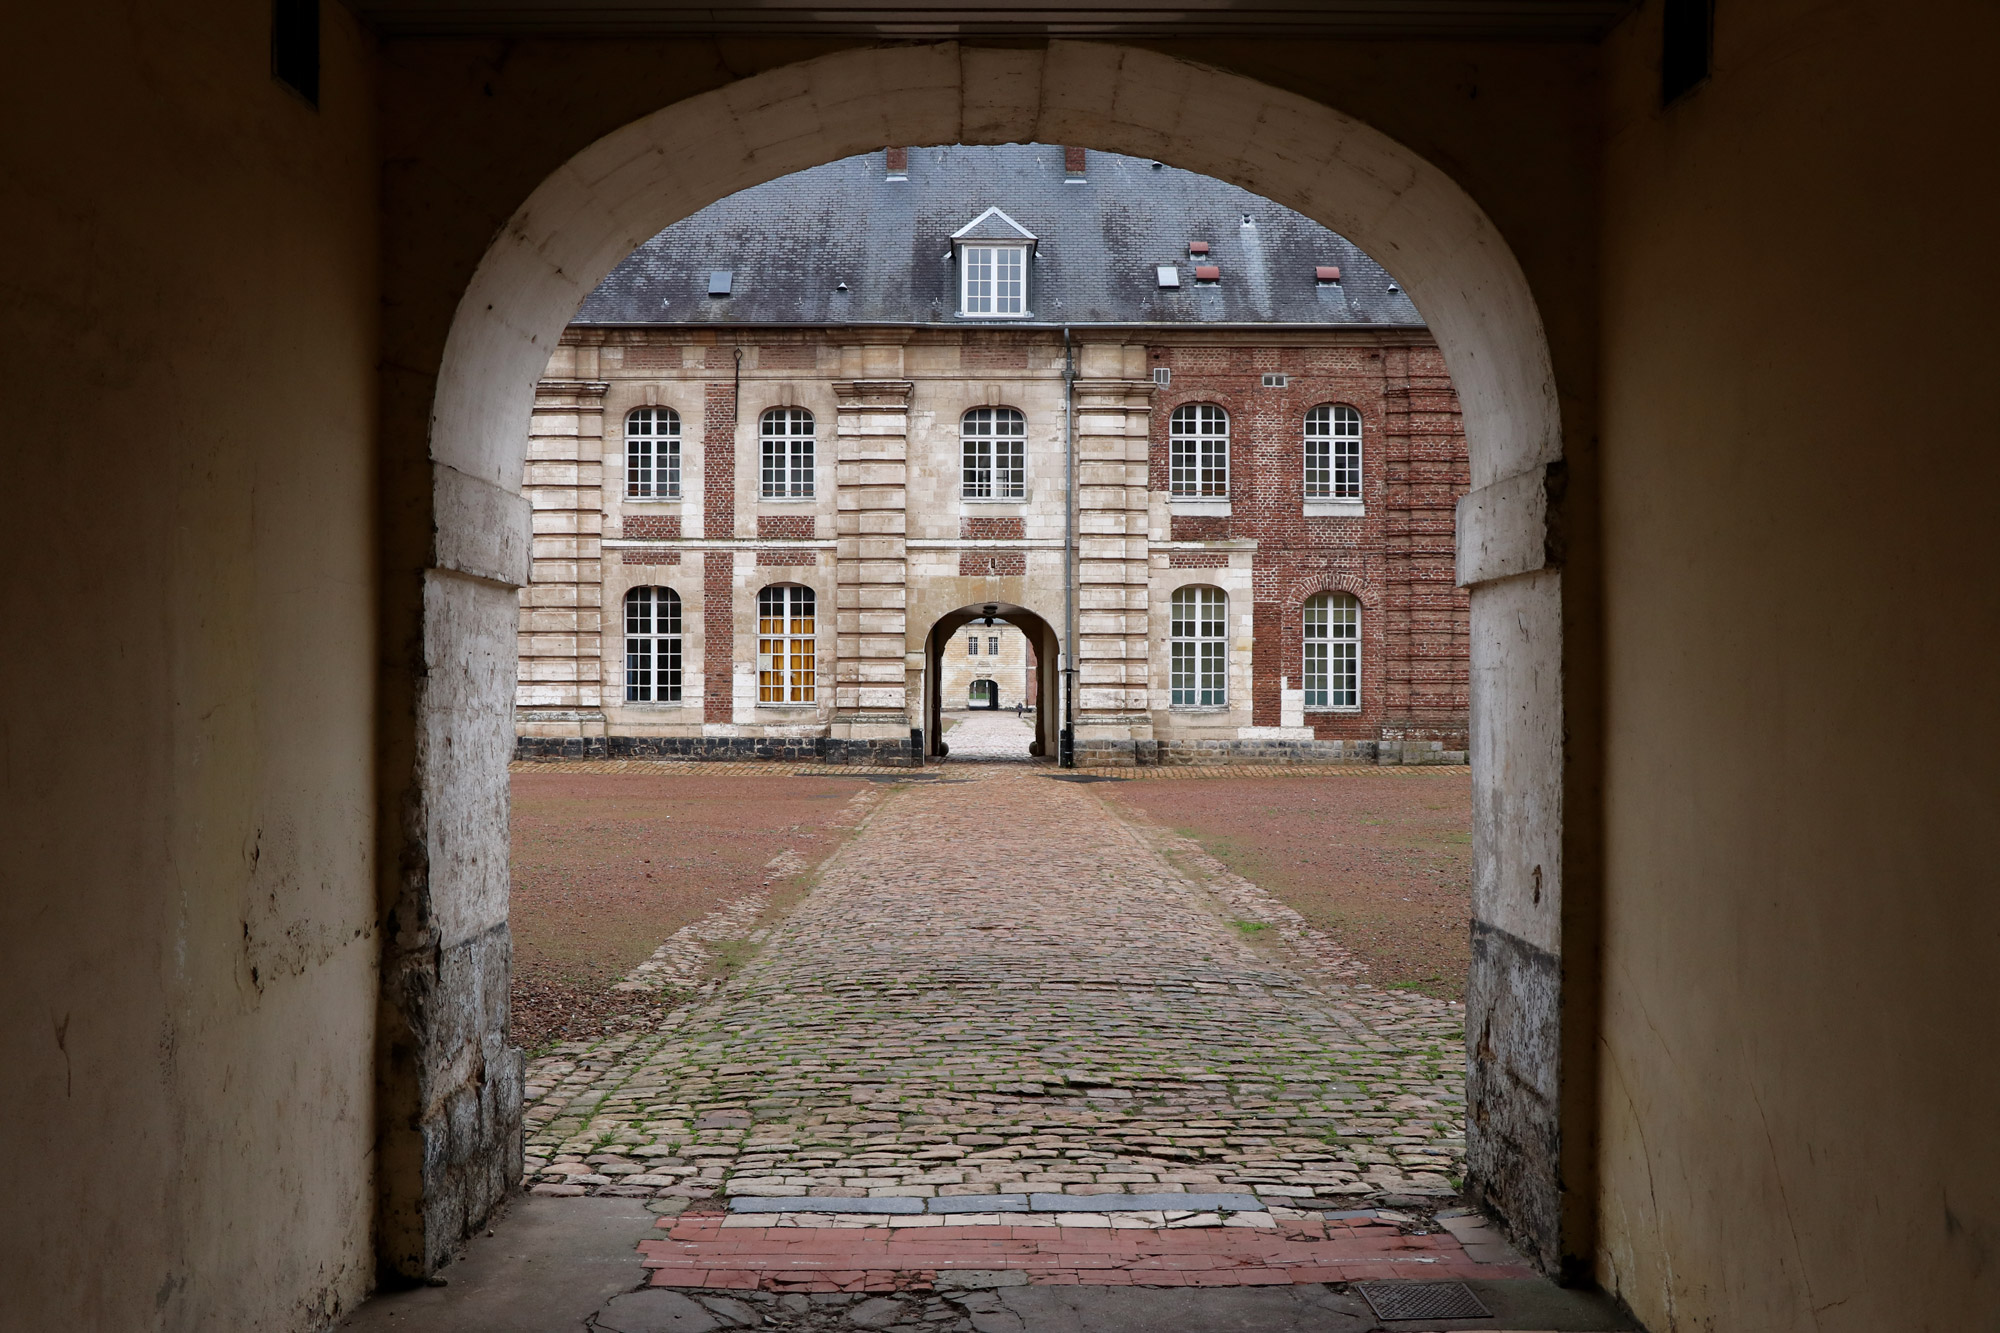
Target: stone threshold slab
[{"x": 1005, "y": 1203}]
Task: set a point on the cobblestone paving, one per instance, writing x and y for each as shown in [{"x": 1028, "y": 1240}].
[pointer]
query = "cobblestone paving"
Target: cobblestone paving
[
  {"x": 989, "y": 733},
  {"x": 999, "y": 986}
]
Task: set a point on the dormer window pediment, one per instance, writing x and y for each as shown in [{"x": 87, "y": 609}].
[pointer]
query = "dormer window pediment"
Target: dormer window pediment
[{"x": 992, "y": 252}]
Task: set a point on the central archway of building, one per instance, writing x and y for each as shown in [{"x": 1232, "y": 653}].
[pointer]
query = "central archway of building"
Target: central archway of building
[{"x": 1042, "y": 647}]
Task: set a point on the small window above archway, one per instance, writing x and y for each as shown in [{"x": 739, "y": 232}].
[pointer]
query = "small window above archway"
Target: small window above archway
[{"x": 992, "y": 252}]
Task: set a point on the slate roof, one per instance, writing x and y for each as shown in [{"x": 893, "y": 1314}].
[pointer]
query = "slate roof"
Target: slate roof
[{"x": 790, "y": 244}]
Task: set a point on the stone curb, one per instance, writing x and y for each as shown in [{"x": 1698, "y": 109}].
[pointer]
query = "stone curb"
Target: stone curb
[{"x": 1006, "y": 1203}]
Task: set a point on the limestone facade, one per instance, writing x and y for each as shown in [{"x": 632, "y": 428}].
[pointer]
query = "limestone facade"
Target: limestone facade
[{"x": 895, "y": 555}]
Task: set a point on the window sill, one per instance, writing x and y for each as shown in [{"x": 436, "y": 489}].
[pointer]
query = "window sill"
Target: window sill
[
  {"x": 654, "y": 706},
  {"x": 1019, "y": 501},
  {"x": 967, "y": 314},
  {"x": 1199, "y": 506},
  {"x": 787, "y": 499},
  {"x": 789, "y": 708},
  {"x": 673, "y": 500},
  {"x": 1203, "y": 710},
  {"x": 1355, "y": 711},
  {"x": 1336, "y": 508}
]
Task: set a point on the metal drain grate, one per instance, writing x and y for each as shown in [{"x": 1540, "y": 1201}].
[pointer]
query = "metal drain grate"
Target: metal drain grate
[{"x": 1422, "y": 1300}]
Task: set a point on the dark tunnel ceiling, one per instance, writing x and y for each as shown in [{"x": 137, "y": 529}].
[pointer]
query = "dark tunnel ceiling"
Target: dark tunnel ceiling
[{"x": 1542, "y": 20}]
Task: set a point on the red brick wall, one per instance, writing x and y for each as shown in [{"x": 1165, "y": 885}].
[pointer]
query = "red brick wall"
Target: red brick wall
[
  {"x": 787, "y": 356},
  {"x": 784, "y": 526},
  {"x": 718, "y": 635},
  {"x": 991, "y": 529},
  {"x": 718, "y": 502},
  {"x": 652, "y": 527},
  {"x": 974, "y": 356},
  {"x": 1397, "y": 559},
  {"x": 786, "y": 558},
  {"x": 649, "y": 557}
]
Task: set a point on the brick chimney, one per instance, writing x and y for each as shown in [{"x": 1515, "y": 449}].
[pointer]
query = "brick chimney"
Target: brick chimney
[
  {"x": 896, "y": 162},
  {"x": 1073, "y": 163}
]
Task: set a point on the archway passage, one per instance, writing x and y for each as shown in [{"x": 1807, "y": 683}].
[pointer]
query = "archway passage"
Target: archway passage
[
  {"x": 457, "y": 600},
  {"x": 1038, "y": 685}
]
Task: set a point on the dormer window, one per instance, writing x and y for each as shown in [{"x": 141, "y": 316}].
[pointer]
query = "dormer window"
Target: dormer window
[
  {"x": 994, "y": 280},
  {"x": 992, "y": 252}
]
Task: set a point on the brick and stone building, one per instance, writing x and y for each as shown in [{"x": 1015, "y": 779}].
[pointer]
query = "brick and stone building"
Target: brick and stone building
[{"x": 1201, "y": 451}]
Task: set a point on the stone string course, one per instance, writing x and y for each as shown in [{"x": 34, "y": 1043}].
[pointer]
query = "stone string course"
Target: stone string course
[{"x": 997, "y": 986}]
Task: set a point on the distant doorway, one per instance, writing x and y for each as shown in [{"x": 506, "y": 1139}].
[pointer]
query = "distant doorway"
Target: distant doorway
[{"x": 990, "y": 685}]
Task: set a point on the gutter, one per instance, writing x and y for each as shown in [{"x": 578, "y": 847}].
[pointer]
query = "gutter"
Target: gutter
[{"x": 1066, "y": 742}]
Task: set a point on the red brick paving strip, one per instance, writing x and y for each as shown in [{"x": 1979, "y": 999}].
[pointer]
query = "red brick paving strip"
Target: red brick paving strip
[{"x": 701, "y": 1252}]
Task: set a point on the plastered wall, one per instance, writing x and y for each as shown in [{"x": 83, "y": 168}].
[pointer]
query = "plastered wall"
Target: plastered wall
[
  {"x": 187, "y": 941},
  {"x": 1802, "y": 919}
]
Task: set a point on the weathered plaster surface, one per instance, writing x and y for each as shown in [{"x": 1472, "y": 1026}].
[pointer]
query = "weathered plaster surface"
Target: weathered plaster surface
[
  {"x": 1801, "y": 496},
  {"x": 188, "y": 937}
]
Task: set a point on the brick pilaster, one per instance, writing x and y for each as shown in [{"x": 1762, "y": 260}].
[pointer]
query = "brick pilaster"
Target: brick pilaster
[
  {"x": 718, "y": 578},
  {"x": 718, "y": 636}
]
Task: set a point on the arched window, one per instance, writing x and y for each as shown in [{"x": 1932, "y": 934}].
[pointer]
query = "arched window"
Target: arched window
[
  {"x": 785, "y": 644},
  {"x": 1198, "y": 450},
  {"x": 996, "y": 453},
  {"x": 652, "y": 646},
  {"x": 1200, "y": 636},
  {"x": 788, "y": 454},
  {"x": 1331, "y": 672},
  {"x": 1333, "y": 453},
  {"x": 653, "y": 454}
]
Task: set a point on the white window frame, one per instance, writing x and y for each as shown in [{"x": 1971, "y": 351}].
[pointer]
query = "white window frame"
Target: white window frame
[
  {"x": 993, "y": 645},
  {"x": 1198, "y": 647},
  {"x": 652, "y": 454},
  {"x": 787, "y": 644},
  {"x": 992, "y": 280},
  {"x": 972, "y": 644},
  {"x": 1330, "y": 652},
  {"x": 993, "y": 454},
  {"x": 787, "y": 470},
  {"x": 1198, "y": 452},
  {"x": 1333, "y": 452},
  {"x": 652, "y": 646}
]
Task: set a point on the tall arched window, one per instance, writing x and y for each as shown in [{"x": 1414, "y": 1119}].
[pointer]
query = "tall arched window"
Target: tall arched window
[
  {"x": 653, "y": 454},
  {"x": 788, "y": 453},
  {"x": 996, "y": 453},
  {"x": 1198, "y": 450},
  {"x": 1200, "y": 637},
  {"x": 785, "y": 645},
  {"x": 652, "y": 646},
  {"x": 1331, "y": 672},
  {"x": 1333, "y": 453}
]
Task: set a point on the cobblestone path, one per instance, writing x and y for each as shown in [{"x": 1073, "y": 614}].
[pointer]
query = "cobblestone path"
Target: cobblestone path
[
  {"x": 989, "y": 734},
  {"x": 999, "y": 986}
]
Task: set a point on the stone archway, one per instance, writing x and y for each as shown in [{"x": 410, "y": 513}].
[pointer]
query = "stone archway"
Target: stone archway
[
  {"x": 449, "y": 1088},
  {"x": 1042, "y": 637}
]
